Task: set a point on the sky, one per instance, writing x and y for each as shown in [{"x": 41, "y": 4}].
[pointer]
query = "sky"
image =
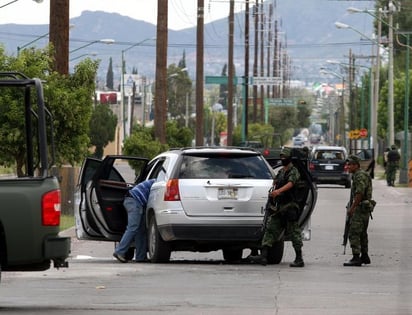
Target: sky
[{"x": 182, "y": 13}]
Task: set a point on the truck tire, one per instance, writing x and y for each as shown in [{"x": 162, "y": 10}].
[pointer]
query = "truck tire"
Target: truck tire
[
  {"x": 159, "y": 250},
  {"x": 275, "y": 253}
]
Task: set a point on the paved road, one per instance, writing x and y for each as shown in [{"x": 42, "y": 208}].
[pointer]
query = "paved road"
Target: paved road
[{"x": 196, "y": 283}]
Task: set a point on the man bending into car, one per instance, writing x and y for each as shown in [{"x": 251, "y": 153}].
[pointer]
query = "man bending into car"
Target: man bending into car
[{"x": 135, "y": 204}]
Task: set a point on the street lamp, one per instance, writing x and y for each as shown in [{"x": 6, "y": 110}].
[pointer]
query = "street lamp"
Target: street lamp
[
  {"x": 13, "y": 1},
  {"x": 374, "y": 117},
  {"x": 32, "y": 42},
  {"x": 19, "y": 48},
  {"x": 107, "y": 41},
  {"x": 342, "y": 121},
  {"x": 84, "y": 55},
  {"x": 403, "y": 178},
  {"x": 371, "y": 102},
  {"x": 122, "y": 107}
]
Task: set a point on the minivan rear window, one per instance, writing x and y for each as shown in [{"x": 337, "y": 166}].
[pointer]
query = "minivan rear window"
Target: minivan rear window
[{"x": 224, "y": 166}]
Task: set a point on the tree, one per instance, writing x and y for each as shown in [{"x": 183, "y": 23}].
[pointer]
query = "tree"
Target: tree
[
  {"x": 102, "y": 128},
  {"x": 179, "y": 92},
  {"x": 142, "y": 142},
  {"x": 223, "y": 88},
  {"x": 109, "y": 76},
  {"x": 69, "y": 98},
  {"x": 182, "y": 62}
]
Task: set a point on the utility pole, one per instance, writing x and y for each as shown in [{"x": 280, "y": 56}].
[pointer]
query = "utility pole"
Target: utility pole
[
  {"x": 59, "y": 34},
  {"x": 374, "y": 114},
  {"x": 161, "y": 71},
  {"x": 199, "y": 71},
  {"x": 245, "y": 119},
  {"x": 275, "y": 92},
  {"x": 255, "y": 60},
  {"x": 391, "y": 127},
  {"x": 230, "y": 75},
  {"x": 269, "y": 46},
  {"x": 262, "y": 69}
]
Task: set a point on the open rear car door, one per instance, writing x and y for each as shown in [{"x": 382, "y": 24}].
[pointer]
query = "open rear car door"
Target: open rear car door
[{"x": 102, "y": 185}]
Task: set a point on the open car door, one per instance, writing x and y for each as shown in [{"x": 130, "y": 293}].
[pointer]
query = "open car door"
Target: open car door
[{"x": 102, "y": 185}]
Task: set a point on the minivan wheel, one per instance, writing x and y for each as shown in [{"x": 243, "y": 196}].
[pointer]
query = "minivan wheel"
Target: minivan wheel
[
  {"x": 348, "y": 184},
  {"x": 159, "y": 250},
  {"x": 232, "y": 255},
  {"x": 275, "y": 253}
]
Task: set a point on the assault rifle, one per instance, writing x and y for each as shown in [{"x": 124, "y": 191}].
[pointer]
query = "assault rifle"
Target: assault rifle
[
  {"x": 346, "y": 232},
  {"x": 271, "y": 208}
]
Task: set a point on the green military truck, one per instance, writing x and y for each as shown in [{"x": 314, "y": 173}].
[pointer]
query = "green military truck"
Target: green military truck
[{"x": 29, "y": 193}]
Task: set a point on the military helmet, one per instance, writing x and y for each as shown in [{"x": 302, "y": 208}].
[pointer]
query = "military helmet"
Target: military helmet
[
  {"x": 353, "y": 159},
  {"x": 285, "y": 153}
]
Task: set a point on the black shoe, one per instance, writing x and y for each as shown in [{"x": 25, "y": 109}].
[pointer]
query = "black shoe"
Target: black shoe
[
  {"x": 365, "y": 259},
  {"x": 297, "y": 263},
  {"x": 354, "y": 262},
  {"x": 260, "y": 259},
  {"x": 120, "y": 257}
]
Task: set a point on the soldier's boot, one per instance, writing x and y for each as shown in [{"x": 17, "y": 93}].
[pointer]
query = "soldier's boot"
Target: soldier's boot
[
  {"x": 262, "y": 258},
  {"x": 355, "y": 261},
  {"x": 365, "y": 259},
  {"x": 298, "y": 262}
]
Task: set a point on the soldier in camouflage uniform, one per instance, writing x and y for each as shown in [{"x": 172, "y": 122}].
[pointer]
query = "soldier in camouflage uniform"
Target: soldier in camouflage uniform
[
  {"x": 393, "y": 158},
  {"x": 286, "y": 213},
  {"x": 359, "y": 211}
]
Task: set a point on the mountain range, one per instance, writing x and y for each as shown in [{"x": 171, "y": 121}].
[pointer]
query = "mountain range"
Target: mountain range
[{"x": 306, "y": 30}]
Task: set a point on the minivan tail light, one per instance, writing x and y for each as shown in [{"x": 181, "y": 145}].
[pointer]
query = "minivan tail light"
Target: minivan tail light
[
  {"x": 311, "y": 166},
  {"x": 172, "y": 190},
  {"x": 50, "y": 208}
]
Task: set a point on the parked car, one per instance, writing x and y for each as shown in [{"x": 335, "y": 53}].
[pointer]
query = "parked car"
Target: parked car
[
  {"x": 204, "y": 199},
  {"x": 328, "y": 165},
  {"x": 298, "y": 141}
]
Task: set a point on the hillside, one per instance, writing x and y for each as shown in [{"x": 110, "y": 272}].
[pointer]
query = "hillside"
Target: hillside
[{"x": 306, "y": 28}]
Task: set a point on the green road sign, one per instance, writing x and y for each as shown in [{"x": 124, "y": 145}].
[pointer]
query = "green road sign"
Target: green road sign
[
  {"x": 219, "y": 80},
  {"x": 280, "y": 102}
]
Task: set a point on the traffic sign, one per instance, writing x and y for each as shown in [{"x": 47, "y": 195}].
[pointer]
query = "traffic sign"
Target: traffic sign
[
  {"x": 210, "y": 79},
  {"x": 266, "y": 80},
  {"x": 280, "y": 102},
  {"x": 363, "y": 133}
]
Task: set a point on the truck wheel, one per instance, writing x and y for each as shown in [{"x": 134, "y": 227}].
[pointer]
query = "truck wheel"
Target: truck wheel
[
  {"x": 232, "y": 255},
  {"x": 275, "y": 253},
  {"x": 159, "y": 250}
]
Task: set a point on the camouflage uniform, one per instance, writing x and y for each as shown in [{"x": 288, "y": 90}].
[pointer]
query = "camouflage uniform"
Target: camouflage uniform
[
  {"x": 287, "y": 215},
  {"x": 358, "y": 235},
  {"x": 393, "y": 158}
]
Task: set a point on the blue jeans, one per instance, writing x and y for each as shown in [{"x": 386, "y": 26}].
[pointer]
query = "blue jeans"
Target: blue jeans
[{"x": 135, "y": 230}]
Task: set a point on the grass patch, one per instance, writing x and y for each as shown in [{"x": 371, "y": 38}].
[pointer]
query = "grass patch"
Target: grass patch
[{"x": 66, "y": 221}]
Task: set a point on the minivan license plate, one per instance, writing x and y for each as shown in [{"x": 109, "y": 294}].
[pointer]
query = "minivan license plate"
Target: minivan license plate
[
  {"x": 227, "y": 193},
  {"x": 329, "y": 167}
]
